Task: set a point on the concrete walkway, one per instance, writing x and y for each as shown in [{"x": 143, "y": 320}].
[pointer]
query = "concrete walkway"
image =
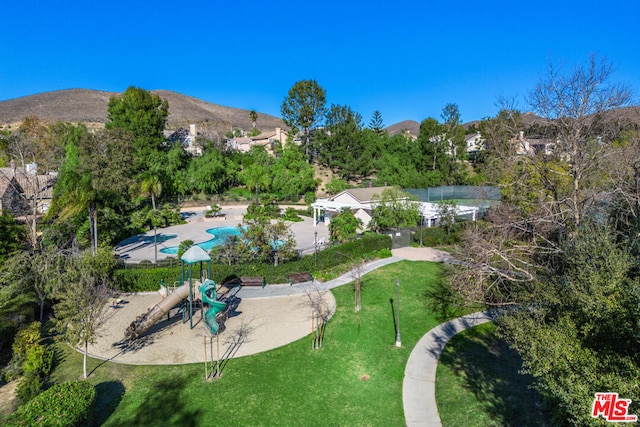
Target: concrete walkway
[{"x": 418, "y": 387}]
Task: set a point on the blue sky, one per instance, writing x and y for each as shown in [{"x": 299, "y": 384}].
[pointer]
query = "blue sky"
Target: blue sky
[{"x": 407, "y": 59}]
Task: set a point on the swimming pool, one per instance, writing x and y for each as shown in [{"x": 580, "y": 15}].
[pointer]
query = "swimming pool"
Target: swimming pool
[{"x": 220, "y": 235}]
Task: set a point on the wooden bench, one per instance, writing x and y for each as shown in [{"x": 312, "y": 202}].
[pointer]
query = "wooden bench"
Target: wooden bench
[
  {"x": 300, "y": 278},
  {"x": 253, "y": 281}
]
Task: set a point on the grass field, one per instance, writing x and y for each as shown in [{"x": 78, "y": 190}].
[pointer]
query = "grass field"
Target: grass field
[{"x": 478, "y": 383}]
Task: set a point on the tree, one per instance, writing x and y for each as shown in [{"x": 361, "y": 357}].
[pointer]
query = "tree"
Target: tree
[
  {"x": 376, "y": 123},
  {"x": 573, "y": 102},
  {"x": 82, "y": 309},
  {"x": 394, "y": 209},
  {"x": 548, "y": 250},
  {"x": 97, "y": 172},
  {"x": 13, "y": 235},
  {"x": 291, "y": 175},
  {"x": 144, "y": 116},
  {"x": 148, "y": 185},
  {"x": 253, "y": 116},
  {"x": 581, "y": 332},
  {"x": 303, "y": 108},
  {"x": 255, "y": 177},
  {"x": 341, "y": 144},
  {"x": 344, "y": 226}
]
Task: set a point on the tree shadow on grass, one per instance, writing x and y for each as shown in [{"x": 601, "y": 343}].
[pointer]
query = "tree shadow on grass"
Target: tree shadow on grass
[
  {"x": 108, "y": 397},
  {"x": 491, "y": 371},
  {"x": 166, "y": 404}
]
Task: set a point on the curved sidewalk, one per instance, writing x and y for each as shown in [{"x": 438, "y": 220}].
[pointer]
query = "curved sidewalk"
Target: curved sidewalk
[{"x": 418, "y": 386}]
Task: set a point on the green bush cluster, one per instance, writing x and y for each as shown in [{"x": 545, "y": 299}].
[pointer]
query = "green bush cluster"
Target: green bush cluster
[
  {"x": 291, "y": 214},
  {"x": 32, "y": 359},
  {"x": 66, "y": 404},
  {"x": 369, "y": 246},
  {"x": 438, "y": 236}
]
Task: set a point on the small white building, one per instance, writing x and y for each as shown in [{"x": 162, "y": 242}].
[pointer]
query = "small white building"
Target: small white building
[{"x": 362, "y": 201}]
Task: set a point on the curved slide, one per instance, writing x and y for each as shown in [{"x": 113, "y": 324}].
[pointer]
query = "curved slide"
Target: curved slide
[
  {"x": 208, "y": 291},
  {"x": 155, "y": 313}
]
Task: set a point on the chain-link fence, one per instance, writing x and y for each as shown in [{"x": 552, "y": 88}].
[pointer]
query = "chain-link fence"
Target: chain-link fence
[{"x": 482, "y": 197}]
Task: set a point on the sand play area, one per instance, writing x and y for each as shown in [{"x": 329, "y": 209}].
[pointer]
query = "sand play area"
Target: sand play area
[{"x": 256, "y": 325}]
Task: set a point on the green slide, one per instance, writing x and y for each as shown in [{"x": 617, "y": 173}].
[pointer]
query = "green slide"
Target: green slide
[{"x": 208, "y": 291}]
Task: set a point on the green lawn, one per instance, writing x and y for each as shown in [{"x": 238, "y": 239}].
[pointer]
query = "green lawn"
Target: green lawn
[
  {"x": 478, "y": 383},
  {"x": 293, "y": 385}
]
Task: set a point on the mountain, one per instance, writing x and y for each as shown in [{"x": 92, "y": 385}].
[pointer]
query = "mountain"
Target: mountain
[
  {"x": 90, "y": 106},
  {"x": 410, "y": 126}
]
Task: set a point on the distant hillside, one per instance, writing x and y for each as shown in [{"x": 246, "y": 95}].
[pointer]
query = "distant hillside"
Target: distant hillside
[
  {"x": 410, "y": 126},
  {"x": 90, "y": 106}
]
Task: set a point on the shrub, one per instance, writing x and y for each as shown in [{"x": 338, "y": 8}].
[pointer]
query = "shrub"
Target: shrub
[
  {"x": 384, "y": 253},
  {"x": 369, "y": 246},
  {"x": 309, "y": 197},
  {"x": 438, "y": 236},
  {"x": 291, "y": 214},
  {"x": 29, "y": 387},
  {"x": 67, "y": 404},
  {"x": 32, "y": 358}
]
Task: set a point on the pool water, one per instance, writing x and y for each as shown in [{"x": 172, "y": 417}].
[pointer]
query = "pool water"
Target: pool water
[{"x": 220, "y": 235}]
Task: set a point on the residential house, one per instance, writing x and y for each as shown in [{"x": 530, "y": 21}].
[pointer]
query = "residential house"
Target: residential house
[
  {"x": 11, "y": 199},
  {"x": 265, "y": 139},
  {"x": 28, "y": 186},
  {"x": 475, "y": 143},
  {"x": 187, "y": 138},
  {"x": 533, "y": 146}
]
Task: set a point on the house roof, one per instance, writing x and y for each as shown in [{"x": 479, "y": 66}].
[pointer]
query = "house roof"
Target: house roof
[
  {"x": 41, "y": 185},
  {"x": 362, "y": 195},
  {"x": 7, "y": 182}
]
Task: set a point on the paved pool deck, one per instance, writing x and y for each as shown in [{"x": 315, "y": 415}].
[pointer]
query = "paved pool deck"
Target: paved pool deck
[{"x": 142, "y": 247}]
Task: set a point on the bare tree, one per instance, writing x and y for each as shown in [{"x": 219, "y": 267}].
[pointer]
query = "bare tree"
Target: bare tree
[
  {"x": 83, "y": 306},
  {"x": 574, "y": 103},
  {"x": 548, "y": 194},
  {"x": 357, "y": 270}
]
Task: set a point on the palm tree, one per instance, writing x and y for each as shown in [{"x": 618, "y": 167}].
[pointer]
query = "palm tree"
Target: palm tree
[
  {"x": 76, "y": 196},
  {"x": 148, "y": 185},
  {"x": 256, "y": 177}
]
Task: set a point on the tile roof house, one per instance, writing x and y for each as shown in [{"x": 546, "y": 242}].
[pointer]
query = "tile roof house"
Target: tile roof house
[
  {"x": 10, "y": 195},
  {"x": 27, "y": 185}
]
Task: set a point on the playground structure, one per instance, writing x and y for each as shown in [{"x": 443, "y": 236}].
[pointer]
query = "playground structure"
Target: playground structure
[{"x": 189, "y": 296}]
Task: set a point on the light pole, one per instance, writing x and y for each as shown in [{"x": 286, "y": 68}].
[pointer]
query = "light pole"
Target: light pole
[
  {"x": 398, "y": 339},
  {"x": 155, "y": 244},
  {"x": 315, "y": 247}
]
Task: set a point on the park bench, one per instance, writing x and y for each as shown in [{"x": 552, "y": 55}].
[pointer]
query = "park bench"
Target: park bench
[
  {"x": 300, "y": 278},
  {"x": 253, "y": 281}
]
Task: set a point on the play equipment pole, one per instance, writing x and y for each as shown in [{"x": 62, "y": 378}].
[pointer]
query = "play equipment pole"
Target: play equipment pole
[
  {"x": 206, "y": 373},
  {"x": 218, "y": 356}
]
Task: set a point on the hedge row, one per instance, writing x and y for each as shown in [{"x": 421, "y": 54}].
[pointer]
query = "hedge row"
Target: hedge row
[
  {"x": 367, "y": 247},
  {"x": 66, "y": 404}
]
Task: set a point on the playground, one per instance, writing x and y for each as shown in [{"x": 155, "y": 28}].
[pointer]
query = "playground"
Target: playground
[
  {"x": 176, "y": 325},
  {"x": 261, "y": 324}
]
